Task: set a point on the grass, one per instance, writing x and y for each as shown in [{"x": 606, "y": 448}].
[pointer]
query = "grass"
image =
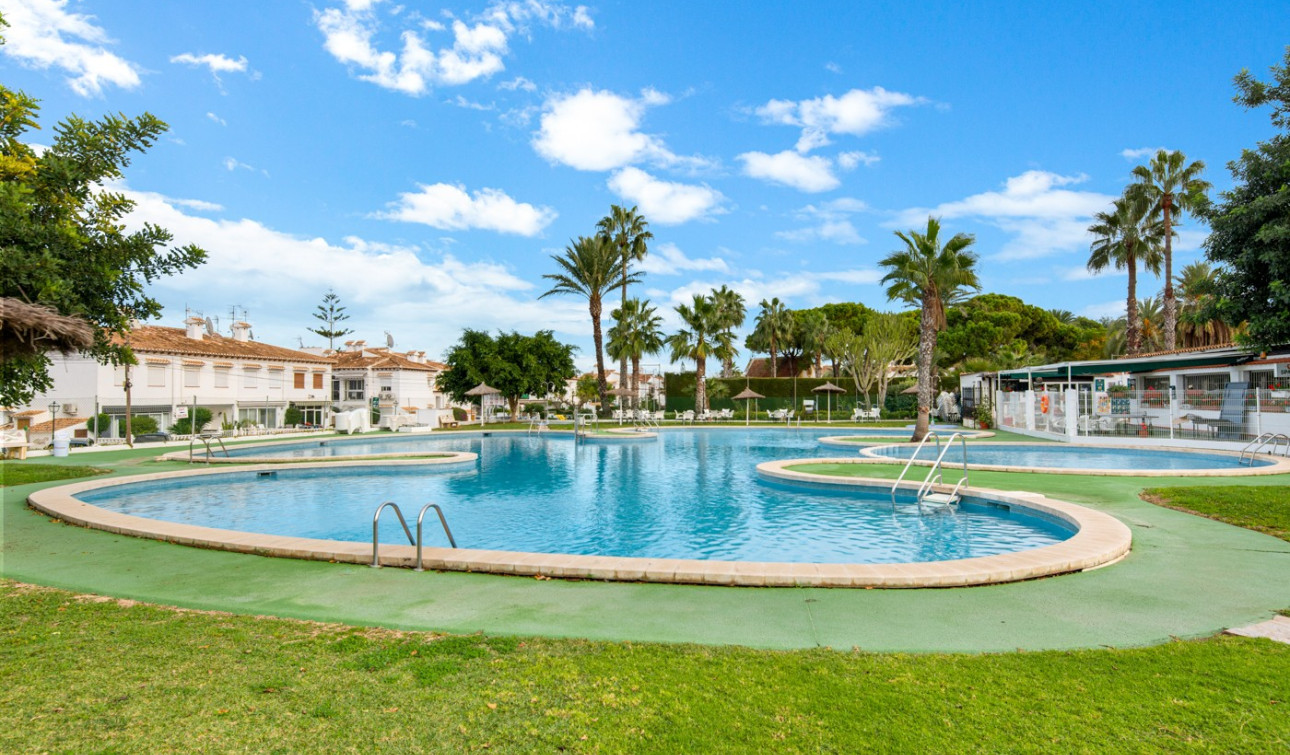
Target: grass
[
  {"x": 91, "y": 674},
  {"x": 12, "y": 474},
  {"x": 1265, "y": 509}
]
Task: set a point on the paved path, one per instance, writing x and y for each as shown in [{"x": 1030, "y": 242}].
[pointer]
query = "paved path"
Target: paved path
[{"x": 1186, "y": 577}]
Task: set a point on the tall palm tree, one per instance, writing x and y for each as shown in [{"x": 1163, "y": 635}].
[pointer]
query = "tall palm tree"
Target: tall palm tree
[
  {"x": 698, "y": 340},
  {"x": 731, "y": 312},
  {"x": 932, "y": 276},
  {"x": 1127, "y": 236},
  {"x": 1151, "y": 318},
  {"x": 590, "y": 267},
  {"x": 812, "y": 330},
  {"x": 629, "y": 232},
  {"x": 774, "y": 323},
  {"x": 1197, "y": 287},
  {"x": 637, "y": 330},
  {"x": 1172, "y": 187}
]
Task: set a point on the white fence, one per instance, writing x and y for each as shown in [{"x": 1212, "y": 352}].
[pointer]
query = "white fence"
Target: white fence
[{"x": 1212, "y": 416}]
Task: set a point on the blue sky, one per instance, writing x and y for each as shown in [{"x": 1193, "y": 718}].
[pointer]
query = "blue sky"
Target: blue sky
[{"x": 426, "y": 160}]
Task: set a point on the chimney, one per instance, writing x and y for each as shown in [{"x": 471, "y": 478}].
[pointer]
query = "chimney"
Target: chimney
[
  {"x": 194, "y": 328},
  {"x": 242, "y": 331}
]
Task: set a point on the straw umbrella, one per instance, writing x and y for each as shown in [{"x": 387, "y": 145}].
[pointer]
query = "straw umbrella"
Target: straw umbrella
[
  {"x": 747, "y": 394},
  {"x": 482, "y": 390},
  {"x": 830, "y": 389}
]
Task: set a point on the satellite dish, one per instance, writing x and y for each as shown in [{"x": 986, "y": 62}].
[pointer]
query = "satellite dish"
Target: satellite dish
[
  {"x": 389, "y": 340},
  {"x": 210, "y": 327}
]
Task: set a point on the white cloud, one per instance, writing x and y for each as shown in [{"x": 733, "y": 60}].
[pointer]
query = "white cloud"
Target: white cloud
[
  {"x": 1105, "y": 309},
  {"x": 216, "y": 119},
  {"x": 462, "y": 102},
  {"x": 668, "y": 259},
  {"x": 451, "y": 208},
  {"x": 793, "y": 288},
  {"x": 44, "y": 34},
  {"x": 1134, "y": 154},
  {"x": 829, "y": 221},
  {"x": 232, "y": 163},
  {"x": 520, "y": 83},
  {"x": 200, "y": 205},
  {"x": 217, "y": 64},
  {"x": 852, "y": 160},
  {"x": 666, "y": 202},
  {"x": 1042, "y": 217},
  {"x": 600, "y": 130},
  {"x": 804, "y": 173},
  {"x": 476, "y": 52},
  {"x": 856, "y": 113},
  {"x": 423, "y": 296},
  {"x": 833, "y": 67}
]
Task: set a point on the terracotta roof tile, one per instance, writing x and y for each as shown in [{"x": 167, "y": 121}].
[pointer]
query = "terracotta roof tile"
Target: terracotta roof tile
[
  {"x": 379, "y": 359},
  {"x": 156, "y": 339}
]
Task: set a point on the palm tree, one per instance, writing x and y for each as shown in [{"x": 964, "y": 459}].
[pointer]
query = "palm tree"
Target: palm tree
[
  {"x": 812, "y": 330},
  {"x": 628, "y": 231},
  {"x": 590, "y": 268},
  {"x": 774, "y": 323},
  {"x": 1128, "y": 235},
  {"x": 697, "y": 341},
  {"x": 932, "y": 276},
  {"x": 1197, "y": 285},
  {"x": 1172, "y": 187},
  {"x": 1151, "y": 318},
  {"x": 637, "y": 331},
  {"x": 731, "y": 312}
]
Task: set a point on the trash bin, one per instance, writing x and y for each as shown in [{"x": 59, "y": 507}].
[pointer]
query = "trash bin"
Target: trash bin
[{"x": 62, "y": 441}]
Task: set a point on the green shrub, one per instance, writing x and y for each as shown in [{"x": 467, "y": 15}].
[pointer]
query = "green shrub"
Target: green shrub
[
  {"x": 184, "y": 426},
  {"x": 142, "y": 423},
  {"x": 100, "y": 424},
  {"x": 293, "y": 416},
  {"x": 459, "y": 414}
]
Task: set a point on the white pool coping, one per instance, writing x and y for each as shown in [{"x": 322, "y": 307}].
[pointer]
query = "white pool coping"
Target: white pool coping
[
  {"x": 855, "y": 441},
  {"x": 953, "y": 460},
  {"x": 1099, "y": 540}
]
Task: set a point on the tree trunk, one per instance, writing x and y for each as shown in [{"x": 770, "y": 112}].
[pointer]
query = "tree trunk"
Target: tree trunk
[
  {"x": 926, "y": 347},
  {"x": 622, "y": 362},
  {"x": 700, "y": 386},
  {"x": 1171, "y": 304},
  {"x": 636, "y": 380},
  {"x": 1132, "y": 329},
  {"x": 774, "y": 365},
  {"x": 514, "y": 402},
  {"x": 601, "y": 388},
  {"x": 819, "y": 363}
]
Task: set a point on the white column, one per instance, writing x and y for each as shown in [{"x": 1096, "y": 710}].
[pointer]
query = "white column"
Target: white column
[
  {"x": 1028, "y": 408},
  {"x": 1072, "y": 413}
]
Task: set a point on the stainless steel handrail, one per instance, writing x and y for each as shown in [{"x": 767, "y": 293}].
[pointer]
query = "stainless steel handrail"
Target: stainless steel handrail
[
  {"x": 376, "y": 520},
  {"x": 206, "y": 440},
  {"x": 420, "y": 518},
  {"x": 1263, "y": 441},
  {"x": 929, "y": 482},
  {"x": 931, "y": 435}
]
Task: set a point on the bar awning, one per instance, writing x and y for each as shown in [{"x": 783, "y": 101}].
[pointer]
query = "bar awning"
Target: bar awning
[{"x": 1216, "y": 358}]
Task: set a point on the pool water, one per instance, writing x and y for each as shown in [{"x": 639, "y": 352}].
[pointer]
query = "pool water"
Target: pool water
[
  {"x": 1070, "y": 457},
  {"x": 691, "y": 494}
]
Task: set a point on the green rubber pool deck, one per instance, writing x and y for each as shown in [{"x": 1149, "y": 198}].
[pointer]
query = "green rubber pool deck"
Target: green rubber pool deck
[{"x": 1186, "y": 577}]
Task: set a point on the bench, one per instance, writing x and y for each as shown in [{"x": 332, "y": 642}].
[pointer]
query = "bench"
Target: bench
[{"x": 13, "y": 444}]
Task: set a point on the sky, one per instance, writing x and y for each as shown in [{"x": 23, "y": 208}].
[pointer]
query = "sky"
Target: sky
[{"x": 425, "y": 161}]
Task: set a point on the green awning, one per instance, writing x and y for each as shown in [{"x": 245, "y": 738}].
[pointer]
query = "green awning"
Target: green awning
[{"x": 1112, "y": 366}]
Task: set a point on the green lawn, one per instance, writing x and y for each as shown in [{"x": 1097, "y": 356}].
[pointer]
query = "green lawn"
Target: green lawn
[
  {"x": 1265, "y": 509},
  {"x": 13, "y": 473},
  {"x": 85, "y": 674}
]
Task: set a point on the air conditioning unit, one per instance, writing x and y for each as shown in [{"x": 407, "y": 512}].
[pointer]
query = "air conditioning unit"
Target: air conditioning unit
[{"x": 70, "y": 409}]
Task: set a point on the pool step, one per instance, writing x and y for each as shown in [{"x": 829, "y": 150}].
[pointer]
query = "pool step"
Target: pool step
[{"x": 939, "y": 500}]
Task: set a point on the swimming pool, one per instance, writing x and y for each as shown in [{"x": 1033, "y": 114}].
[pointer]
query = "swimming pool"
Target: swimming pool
[
  {"x": 691, "y": 495},
  {"x": 1066, "y": 457}
]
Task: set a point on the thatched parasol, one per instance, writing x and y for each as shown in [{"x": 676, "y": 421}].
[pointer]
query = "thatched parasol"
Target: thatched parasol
[
  {"x": 27, "y": 329},
  {"x": 830, "y": 389},
  {"x": 747, "y": 394},
  {"x": 482, "y": 390}
]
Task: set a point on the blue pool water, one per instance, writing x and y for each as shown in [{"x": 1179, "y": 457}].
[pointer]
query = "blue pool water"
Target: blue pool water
[
  {"x": 1072, "y": 457},
  {"x": 690, "y": 494}
]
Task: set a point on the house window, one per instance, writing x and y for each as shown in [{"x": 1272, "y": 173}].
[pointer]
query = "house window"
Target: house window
[
  {"x": 259, "y": 416},
  {"x": 1155, "y": 383},
  {"x": 335, "y": 389},
  {"x": 221, "y": 377},
  {"x": 298, "y": 380},
  {"x": 250, "y": 375},
  {"x": 1260, "y": 379},
  {"x": 156, "y": 376},
  {"x": 318, "y": 381},
  {"x": 354, "y": 390},
  {"x": 192, "y": 376},
  {"x": 1205, "y": 382}
]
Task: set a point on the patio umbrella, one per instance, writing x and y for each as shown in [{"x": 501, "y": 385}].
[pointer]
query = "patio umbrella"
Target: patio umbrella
[
  {"x": 830, "y": 389},
  {"x": 482, "y": 390},
  {"x": 747, "y": 394}
]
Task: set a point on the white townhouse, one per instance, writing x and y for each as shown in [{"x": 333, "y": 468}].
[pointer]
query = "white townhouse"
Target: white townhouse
[
  {"x": 237, "y": 378},
  {"x": 383, "y": 379}
]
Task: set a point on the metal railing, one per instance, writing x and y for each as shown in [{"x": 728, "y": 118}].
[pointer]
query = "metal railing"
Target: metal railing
[
  {"x": 442, "y": 520},
  {"x": 417, "y": 541},
  {"x": 1270, "y": 441},
  {"x": 206, "y": 440},
  {"x": 925, "y": 493}
]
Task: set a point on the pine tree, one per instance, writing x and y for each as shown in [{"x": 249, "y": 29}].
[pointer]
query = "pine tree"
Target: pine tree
[{"x": 331, "y": 314}]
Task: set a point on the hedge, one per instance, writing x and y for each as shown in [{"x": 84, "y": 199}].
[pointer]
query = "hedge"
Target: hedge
[{"x": 679, "y": 389}]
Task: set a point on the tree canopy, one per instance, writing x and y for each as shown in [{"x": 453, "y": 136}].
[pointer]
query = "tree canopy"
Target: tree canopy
[
  {"x": 1250, "y": 227},
  {"x": 513, "y": 363},
  {"x": 63, "y": 237}
]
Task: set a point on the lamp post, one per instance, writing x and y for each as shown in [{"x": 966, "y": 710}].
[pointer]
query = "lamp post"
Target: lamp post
[{"x": 53, "y": 420}]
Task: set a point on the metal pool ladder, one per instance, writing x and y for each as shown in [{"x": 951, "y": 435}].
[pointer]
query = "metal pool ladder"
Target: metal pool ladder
[
  {"x": 206, "y": 439},
  {"x": 1270, "y": 441},
  {"x": 376, "y": 520},
  {"x": 926, "y": 497}
]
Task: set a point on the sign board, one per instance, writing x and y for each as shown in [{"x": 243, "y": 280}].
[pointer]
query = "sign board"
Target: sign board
[
  {"x": 1099, "y": 384},
  {"x": 376, "y": 402},
  {"x": 181, "y": 412}
]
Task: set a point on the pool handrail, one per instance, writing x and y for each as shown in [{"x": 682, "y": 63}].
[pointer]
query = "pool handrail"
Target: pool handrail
[
  {"x": 1268, "y": 440},
  {"x": 442, "y": 520},
  {"x": 934, "y": 474},
  {"x": 931, "y": 435},
  {"x": 376, "y": 520},
  {"x": 206, "y": 439}
]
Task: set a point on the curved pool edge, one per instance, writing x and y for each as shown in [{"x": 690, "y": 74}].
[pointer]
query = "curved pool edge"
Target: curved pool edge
[
  {"x": 426, "y": 456},
  {"x": 1278, "y": 465},
  {"x": 857, "y": 441},
  {"x": 1100, "y": 539}
]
